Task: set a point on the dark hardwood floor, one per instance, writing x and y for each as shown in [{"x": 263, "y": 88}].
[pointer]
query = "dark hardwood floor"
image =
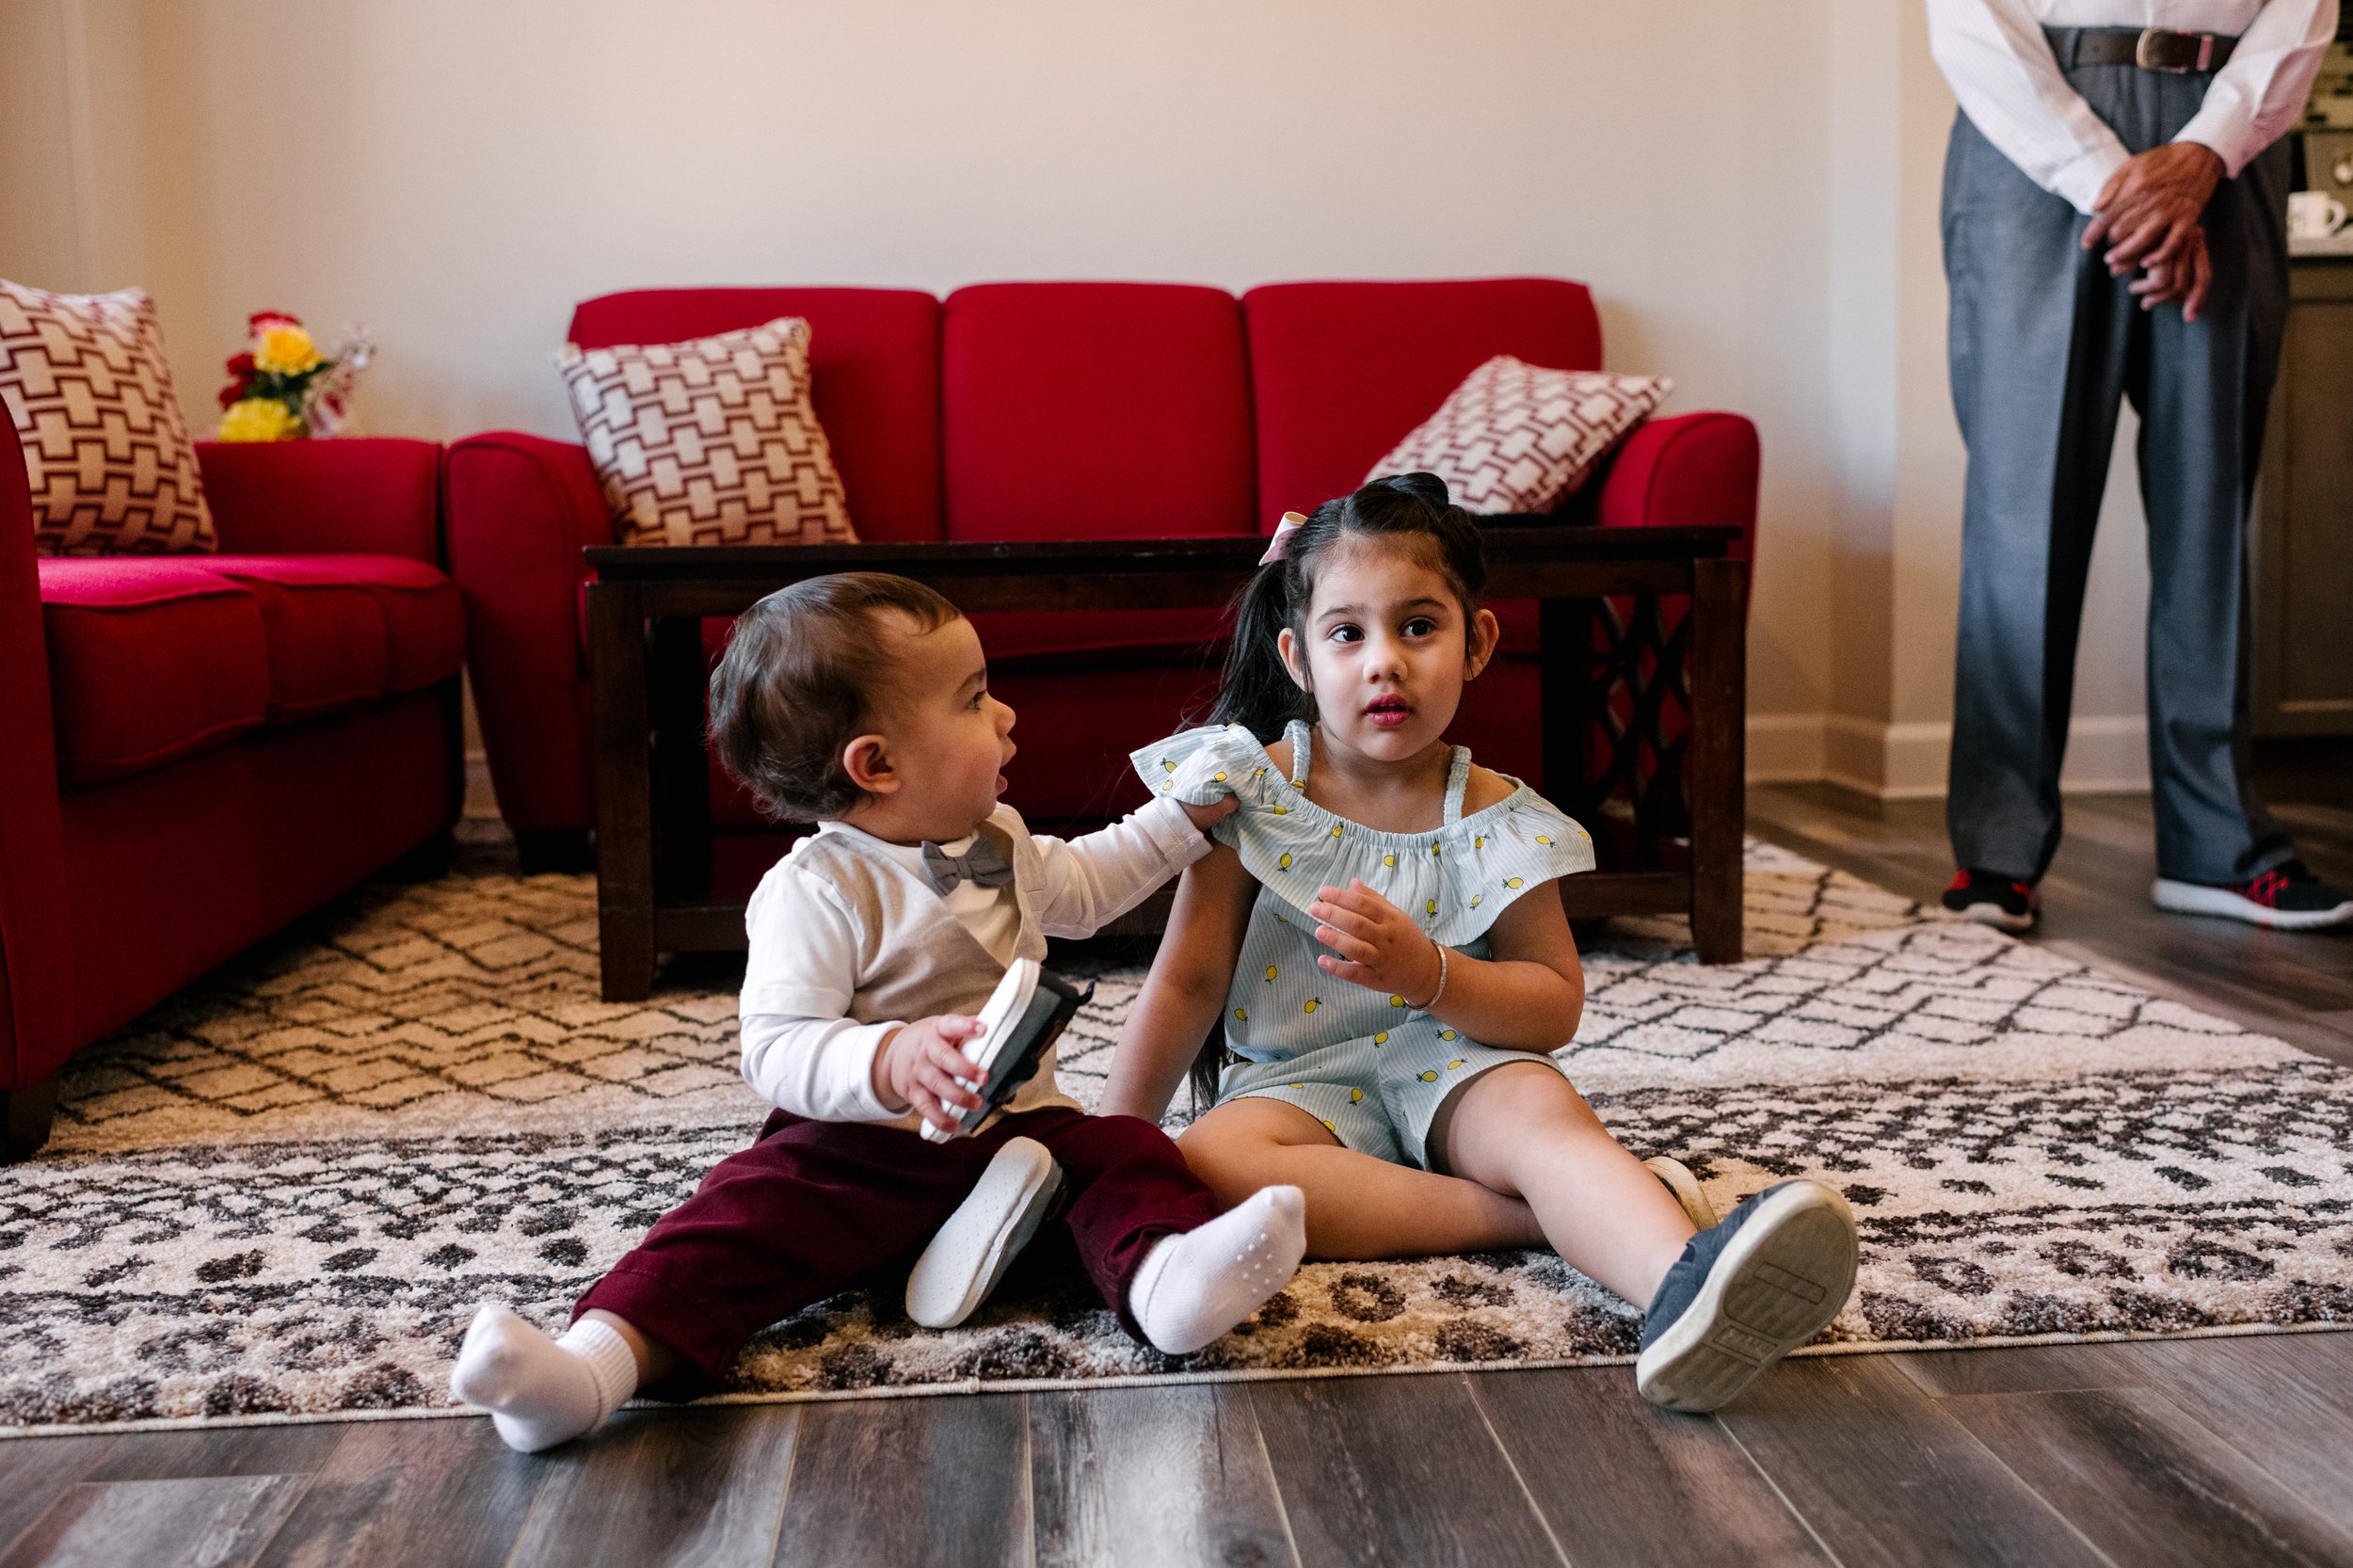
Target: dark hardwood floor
[{"x": 2201, "y": 1451}]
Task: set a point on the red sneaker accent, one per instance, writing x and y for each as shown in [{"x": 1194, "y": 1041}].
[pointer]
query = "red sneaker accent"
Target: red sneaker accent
[{"x": 2265, "y": 889}]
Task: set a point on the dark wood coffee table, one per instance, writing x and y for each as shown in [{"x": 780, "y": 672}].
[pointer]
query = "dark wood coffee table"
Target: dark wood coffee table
[{"x": 654, "y": 888}]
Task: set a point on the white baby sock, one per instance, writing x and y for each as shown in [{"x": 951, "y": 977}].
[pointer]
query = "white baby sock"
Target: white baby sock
[
  {"x": 541, "y": 1391},
  {"x": 1197, "y": 1284}
]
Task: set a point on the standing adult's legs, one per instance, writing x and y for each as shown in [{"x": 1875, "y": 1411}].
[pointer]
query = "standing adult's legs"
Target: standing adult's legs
[
  {"x": 2202, "y": 400},
  {"x": 2038, "y": 334}
]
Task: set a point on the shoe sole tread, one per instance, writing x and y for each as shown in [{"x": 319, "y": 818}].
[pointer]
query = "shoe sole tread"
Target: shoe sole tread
[
  {"x": 1785, "y": 1284},
  {"x": 971, "y": 1253}
]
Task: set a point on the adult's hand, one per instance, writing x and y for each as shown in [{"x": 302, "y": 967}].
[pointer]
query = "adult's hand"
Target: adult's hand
[
  {"x": 2148, "y": 213},
  {"x": 2182, "y": 281}
]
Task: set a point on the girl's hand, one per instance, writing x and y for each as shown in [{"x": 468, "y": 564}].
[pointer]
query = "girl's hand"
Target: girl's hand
[
  {"x": 924, "y": 1065},
  {"x": 1378, "y": 945}
]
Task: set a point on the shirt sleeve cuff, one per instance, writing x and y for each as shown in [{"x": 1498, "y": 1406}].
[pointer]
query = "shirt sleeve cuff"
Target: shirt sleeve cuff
[
  {"x": 1172, "y": 832},
  {"x": 853, "y": 1056},
  {"x": 2223, "y": 131},
  {"x": 2081, "y": 181}
]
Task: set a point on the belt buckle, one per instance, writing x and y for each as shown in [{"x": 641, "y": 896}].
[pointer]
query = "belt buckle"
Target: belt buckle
[{"x": 2176, "y": 54}]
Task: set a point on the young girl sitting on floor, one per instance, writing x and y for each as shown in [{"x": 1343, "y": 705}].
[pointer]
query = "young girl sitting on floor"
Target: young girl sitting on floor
[{"x": 1390, "y": 993}]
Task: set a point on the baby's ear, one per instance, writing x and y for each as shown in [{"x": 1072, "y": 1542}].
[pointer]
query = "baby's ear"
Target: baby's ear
[{"x": 866, "y": 759}]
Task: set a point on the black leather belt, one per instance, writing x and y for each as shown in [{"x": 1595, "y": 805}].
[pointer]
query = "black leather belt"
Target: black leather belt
[{"x": 2149, "y": 48}]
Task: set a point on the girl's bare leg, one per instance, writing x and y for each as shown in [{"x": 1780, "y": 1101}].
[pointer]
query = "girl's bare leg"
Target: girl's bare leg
[
  {"x": 1522, "y": 1129},
  {"x": 1357, "y": 1205}
]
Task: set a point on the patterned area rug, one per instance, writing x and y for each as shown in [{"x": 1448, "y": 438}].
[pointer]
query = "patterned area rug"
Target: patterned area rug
[{"x": 281, "y": 1196}]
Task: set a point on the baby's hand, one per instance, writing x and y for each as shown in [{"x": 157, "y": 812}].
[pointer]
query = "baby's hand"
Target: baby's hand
[
  {"x": 1206, "y": 817},
  {"x": 1380, "y": 947},
  {"x": 923, "y": 1064}
]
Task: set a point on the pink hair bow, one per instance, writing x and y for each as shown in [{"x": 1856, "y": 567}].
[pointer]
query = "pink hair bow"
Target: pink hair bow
[{"x": 1280, "y": 546}]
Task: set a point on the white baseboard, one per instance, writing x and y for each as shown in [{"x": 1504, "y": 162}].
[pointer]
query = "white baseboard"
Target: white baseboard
[
  {"x": 2105, "y": 754},
  {"x": 1784, "y": 748}
]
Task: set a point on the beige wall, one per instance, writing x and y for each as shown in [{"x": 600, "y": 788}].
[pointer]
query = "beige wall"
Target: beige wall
[{"x": 1750, "y": 189}]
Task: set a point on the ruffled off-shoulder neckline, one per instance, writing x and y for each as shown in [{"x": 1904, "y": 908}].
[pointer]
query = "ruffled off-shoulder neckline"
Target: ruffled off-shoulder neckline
[{"x": 1454, "y": 878}]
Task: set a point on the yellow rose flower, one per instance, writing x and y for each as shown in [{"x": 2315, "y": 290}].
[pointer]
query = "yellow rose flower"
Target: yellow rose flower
[
  {"x": 285, "y": 351},
  {"x": 259, "y": 419}
]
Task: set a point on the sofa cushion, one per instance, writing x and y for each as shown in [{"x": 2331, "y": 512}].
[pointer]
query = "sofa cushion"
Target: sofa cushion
[
  {"x": 325, "y": 636},
  {"x": 347, "y": 630},
  {"x": 1084, "y": 411},
  {"x": 709, "y": 441},
  {"x": 149, "y": 659},
  {"x": 1519, "y": 438},
  {"x": 874, "y": 356},
  {"x": 425, "y": 619},
  {"x": 1341, "y": 371},
  {"x": 84, "y": 379}
]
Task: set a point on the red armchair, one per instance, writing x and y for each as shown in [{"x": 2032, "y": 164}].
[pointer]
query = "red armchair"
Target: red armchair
[
  {"x": 195, "y": 749},
  {"x": 1035, "y": 410}
]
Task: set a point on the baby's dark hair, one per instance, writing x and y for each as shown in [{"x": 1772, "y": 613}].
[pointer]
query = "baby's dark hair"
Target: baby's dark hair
[
  {"x": 1257, "y": 692},
  {"x": 797, "y": 684}
]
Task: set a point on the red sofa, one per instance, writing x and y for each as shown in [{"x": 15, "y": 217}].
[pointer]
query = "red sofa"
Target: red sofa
[
  {"x": 195, "y": 749},
  {"x": 1053, "y": 411}
]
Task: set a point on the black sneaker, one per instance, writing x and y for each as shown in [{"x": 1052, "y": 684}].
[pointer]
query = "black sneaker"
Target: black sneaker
[
  {"x": 1992, "y": 899},
  {"x": 2287, "y": 897},
  {"x": 1745, "y": 1294}
]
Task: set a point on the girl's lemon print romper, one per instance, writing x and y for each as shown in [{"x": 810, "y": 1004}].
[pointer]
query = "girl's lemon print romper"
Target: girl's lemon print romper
[{"x": 1368, "y": 1067}]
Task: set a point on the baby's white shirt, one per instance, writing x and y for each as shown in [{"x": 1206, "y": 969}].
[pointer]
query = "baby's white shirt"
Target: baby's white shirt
[{"x": 803, "y": 1055}]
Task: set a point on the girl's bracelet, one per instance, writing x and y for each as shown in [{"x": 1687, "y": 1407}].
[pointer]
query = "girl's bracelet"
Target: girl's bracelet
[{"x": 1441, "y": 990}]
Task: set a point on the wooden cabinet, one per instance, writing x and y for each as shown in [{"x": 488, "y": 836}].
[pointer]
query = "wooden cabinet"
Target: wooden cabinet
[{"x": 2300, "y": 538}]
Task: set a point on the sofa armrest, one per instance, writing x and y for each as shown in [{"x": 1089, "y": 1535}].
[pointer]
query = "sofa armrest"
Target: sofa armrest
[
  {"x": 521, "y": 509},
  {"x": 373, "y": 497},
  {"x": 1689, "y": 470},
  {"x": 36, "y": 936}
]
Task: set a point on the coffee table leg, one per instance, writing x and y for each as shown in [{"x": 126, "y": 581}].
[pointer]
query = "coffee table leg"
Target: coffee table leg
[
  {"x": 1716, "y": 764},
  {"x": 1565, "y": 665},
  {"x": 682, "y": 775},
  {"x": 624, "y": 785}
]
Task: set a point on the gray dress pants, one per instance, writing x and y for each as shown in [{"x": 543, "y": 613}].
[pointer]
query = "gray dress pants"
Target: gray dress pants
[{"x": 2043, "y": 341}]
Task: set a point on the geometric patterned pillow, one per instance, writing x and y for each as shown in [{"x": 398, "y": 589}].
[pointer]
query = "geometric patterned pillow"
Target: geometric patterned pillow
[
  {"x": 712, "y": 442},
  {"x": 1518, "y": 438},
  {"x": 106, "y": 448}
]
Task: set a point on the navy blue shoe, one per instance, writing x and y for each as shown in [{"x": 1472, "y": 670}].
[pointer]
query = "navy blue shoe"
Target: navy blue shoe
[{"x": 1745, "y": 1294}]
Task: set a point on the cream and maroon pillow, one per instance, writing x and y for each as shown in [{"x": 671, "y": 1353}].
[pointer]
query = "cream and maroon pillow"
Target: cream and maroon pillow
[
  {"x": 106, "y": 448},
  {"x": 1518, "y": 437},
  {"x": 711, "y": 441}
]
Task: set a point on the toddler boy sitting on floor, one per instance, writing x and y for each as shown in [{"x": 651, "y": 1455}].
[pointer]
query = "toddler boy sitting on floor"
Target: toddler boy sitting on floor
[{"x": 861, "y": 701}]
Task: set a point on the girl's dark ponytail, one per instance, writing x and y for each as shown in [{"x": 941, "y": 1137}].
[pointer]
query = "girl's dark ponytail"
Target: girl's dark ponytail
[{"x": 1257, "y": 691}]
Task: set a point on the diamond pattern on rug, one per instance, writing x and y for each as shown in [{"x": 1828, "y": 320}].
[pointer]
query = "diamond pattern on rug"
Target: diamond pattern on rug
[
  {"x": 468, "y": 1002},
  {"x": 234, "y": 1225}
]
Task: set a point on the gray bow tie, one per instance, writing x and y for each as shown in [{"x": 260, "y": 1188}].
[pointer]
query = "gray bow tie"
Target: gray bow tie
[{"x": 983, "y": 865}]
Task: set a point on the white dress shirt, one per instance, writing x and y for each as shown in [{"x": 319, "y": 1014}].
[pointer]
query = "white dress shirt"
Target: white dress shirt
[
  {"x": 802, "y": 1055},
  {"x": 2010, "y": 86}
]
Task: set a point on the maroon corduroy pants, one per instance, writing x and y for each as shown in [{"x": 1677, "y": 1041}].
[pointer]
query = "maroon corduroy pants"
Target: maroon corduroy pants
[{"x": 813, "y": 1206}]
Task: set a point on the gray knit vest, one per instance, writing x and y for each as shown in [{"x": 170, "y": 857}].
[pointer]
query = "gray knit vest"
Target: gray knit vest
[{"x": 916, "y": 959}]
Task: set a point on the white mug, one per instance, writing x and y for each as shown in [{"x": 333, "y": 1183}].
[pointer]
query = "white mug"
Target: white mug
[{"x": 2314, "y": 214}]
